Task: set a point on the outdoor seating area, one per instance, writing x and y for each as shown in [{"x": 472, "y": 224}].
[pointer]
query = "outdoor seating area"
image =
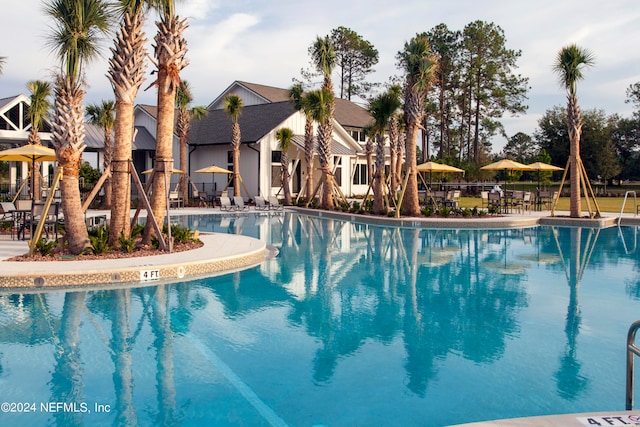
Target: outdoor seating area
[{"x": 24, "y": 216}]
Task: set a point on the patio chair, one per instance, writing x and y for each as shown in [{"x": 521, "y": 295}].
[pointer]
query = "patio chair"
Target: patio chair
[
  {"x": 8, "y": 216},
  {"x": 201, "y": 197},
  {"x": 274, "y": 203},
  {"x": 453, "y": 199},
  {"x": 495, "y": 201},
  {"x": 484, "y": 197},
  {"x": 174, "y": 199},
  {"x": 517, "y": 200},
  {"x": 225, "y": 204},
  {"x": 51, "y": 220},
  {"x": 261, "y": 204},
  {"x": 239, "y": 203}
]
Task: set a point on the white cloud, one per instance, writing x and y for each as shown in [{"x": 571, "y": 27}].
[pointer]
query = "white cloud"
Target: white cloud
[{"x": 266, "y": 42}]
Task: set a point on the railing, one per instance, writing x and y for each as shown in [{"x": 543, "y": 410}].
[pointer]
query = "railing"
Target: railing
[
  {"x": 632, "y": 350},
  {"x": 635, "y": 205}
]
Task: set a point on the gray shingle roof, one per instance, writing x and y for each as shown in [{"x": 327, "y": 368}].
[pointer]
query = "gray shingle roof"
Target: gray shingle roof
[
  {"x": 143, "y": 140},
  {"x": 94, "y": 138},
  {"x": 347, "y": 113},
  {"x": 255, "y": 122},
  {"x": 337, "y": 149}
]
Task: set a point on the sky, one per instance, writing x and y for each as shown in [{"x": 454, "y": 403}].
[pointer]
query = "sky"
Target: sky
[{"x": 266, "y": 42}]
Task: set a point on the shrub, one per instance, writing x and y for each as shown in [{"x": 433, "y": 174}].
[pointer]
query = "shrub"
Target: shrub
[
  {"x": 428, "y": 210},
  {"x": 99, "y": 238},
  {"x": 126, "y": 244},
  {"x": 46, "y": 247},
  {"x": 445, "y": 212},
  {"x": 180, "y": 234},
  {"x": 137, "y": 230}
]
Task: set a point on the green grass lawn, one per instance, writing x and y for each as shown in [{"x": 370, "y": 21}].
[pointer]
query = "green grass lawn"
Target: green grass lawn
[{"x": 606, "y": 204}]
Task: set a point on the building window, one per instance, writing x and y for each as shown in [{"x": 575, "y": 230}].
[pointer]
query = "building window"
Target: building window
[
  {"x": 276, "y": 168},
  {"x": 358, "y": 135},
  {"x": 337, "y": 161},
  {"x": 276, "y": 175},
  {"x": 360, "y": 175}
]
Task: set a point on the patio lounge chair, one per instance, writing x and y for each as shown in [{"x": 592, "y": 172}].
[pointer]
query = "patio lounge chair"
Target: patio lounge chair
[
  {"x": 225, "y": 204},
  {"x": 239, "y": 203},
  {"x": 274, "y": 203},
  {"x": 261, "y": 204}
]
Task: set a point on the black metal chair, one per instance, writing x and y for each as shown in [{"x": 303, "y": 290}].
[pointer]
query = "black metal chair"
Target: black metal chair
[{"x": 51, "y": 219}]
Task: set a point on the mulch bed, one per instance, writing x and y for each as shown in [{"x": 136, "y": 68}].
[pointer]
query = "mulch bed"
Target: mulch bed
[{"x": 113, "y": 254}]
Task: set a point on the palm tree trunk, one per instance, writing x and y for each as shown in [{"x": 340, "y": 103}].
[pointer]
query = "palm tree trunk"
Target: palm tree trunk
[
  {"x": 410, "y": 203},
  {"x": 379, "y": 178},
  {"x": 121, "y": 178},
  {"x": 126, "y": 73},
  {"x": 108, "y": 155},
  {"x": 236, "y": 171},
  {"x": 68, "y": 140},
  {"x": 574, "y": 123},
  {"x": 285, "y": 179},
  {"x": 324, "y": 144},
  {"x": 164, "y": 153},
  {"x": 308, "y": 155},
  {"x": 184, "y": 189},
  {"x": 170, "y": 51}
]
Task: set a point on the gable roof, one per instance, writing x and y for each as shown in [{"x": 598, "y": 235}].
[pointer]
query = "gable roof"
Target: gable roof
[
  {"x": 255, "y": 122},
  {"x": 94, "y": 138},
  {"x": 15, "y": 123},
  {"x": 269, "y": 93},
  {"x": 347, "y": 113}
]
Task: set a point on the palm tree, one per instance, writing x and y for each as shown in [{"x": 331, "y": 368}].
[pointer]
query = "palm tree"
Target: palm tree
[
  {"x": 569, "y": 65},
  {"x": 319, "y": 103},
  {"x": 77, "y": 30},
  {"x": 3, "y": 60},
  {"x": 324, "y": 58},
  {"x": 395, "y": 144},
  {"x": 183, "y": 126},
  {"x": 103, "y": 115},
  {"x": 284, "y": 137},
  {"x": 126, "y": 74},
  {"x": 170, "y": 50},
  {"x": 382, "y": 108},
  {"x": 39, "y": 107},
  {"x": 419, "y": 65},
  {"x": 368, "y": 150},
  {"x": 233, "y": 108},
  {"x": 299, "y": 101}
]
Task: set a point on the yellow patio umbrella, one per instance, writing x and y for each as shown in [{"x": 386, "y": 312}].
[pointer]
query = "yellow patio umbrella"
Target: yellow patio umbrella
[
  {"x": 29, "y": 153},
  {"x": 540, "y": 166},
  {"x": 173, "y": 171},
  {"x": 506, "y": 165},
  {"x": 213, "y": 169},
  {"x": 437, "y": 167}
]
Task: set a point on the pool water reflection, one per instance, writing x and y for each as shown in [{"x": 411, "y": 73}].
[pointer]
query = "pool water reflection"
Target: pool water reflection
[{"x": 351, "y": 324}]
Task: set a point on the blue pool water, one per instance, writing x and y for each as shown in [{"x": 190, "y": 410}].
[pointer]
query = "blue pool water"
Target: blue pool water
[{"x": 351, "y": 325}]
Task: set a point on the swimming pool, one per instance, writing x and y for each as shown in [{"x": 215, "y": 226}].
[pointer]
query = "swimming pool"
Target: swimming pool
[{"x": 352, "y": 324}]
